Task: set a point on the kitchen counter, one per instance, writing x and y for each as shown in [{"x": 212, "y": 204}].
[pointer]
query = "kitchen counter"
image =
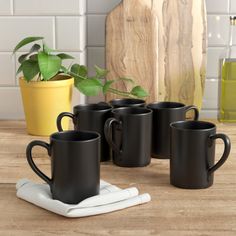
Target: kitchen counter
[{"x": 172, "y": 211}]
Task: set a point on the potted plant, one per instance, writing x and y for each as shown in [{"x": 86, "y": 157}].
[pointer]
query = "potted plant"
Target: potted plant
[{"x": 46, "y": 85}]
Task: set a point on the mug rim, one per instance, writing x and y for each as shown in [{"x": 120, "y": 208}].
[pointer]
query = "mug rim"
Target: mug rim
[
  {"x": 52, "y": 136},
  {"x": 174, "y": 125},
  {"x": 153, "y": 105},
  {"x": 116, "y": 111},
  {"x": 88, "y": 105},
  {"x": 139, "y": 101}
]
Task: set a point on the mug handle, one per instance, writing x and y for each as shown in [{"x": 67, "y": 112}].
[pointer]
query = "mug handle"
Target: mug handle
[
  {"x": 59, "y": 119},
  {"x": 225, "y": 155},
  {"x": 196, "y": 111},
  {"x": 31, "y": 162},
  {"x": 108, "y": 133}
]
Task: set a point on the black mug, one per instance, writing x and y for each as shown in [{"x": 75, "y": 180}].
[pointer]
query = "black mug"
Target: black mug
[
  {"x": 90, "y": 117},
  {"x": 75, "y": 165},
  {"x": 193, "y": 154},
  {"x": 129, "y": 135},
  {"x": 127, "y": 102},
  {"x": 164, "y": 113}
]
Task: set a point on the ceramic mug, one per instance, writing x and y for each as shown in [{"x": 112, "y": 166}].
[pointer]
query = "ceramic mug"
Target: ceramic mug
[
  {"x": 193, "y": 154},
  {"x": 90, "y": 117},
  {"x": 129, "y": 135},
  {"x": 164, "y": 113},
  {"x": 75, "y": 165}
]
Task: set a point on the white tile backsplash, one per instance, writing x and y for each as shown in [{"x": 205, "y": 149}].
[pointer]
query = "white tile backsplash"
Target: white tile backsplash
[
  {"x": 15, "y": 29},
  {"x": 5, "y": 7},
  {"x": 7, "y": 69},
  {"x": 101, "y": 6},
  {"x": 96, "y": 56},
  {"x": 49, "y": 7},
  {"x": 208, "y": 114},
  {"x": 11, "y": 106},
  {"x": 233, "y": 52},
  {"x": 217, "y": 6},
  {"x": 96, "y": 30},
  {"x": 213, "y": 61},
  {"x": 233, "y": 7},
  {"x": 218, "y": 30},
  {"x": 210, "y": 100},
  {"x": 70, "y": 33}
]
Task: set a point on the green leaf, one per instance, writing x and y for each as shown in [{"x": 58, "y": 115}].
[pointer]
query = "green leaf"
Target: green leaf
[
  {"x": 34, "y": 57},
  {"x": 100, "y": 73},
  {"x": 75, "y": 76},
  {"x": 19, "y": 69},
  {"x": 65, "y": 56},
  {"x": 107, "y": 85},
  {"x": 138, "y": 91},
  {"x": 126, "y": 80},
  {"x": 49, "y": 65},
  {"x": 90, "y": 87},
  {"x": 79, "y": 70},
  {"x": 33, "y": 49},
  {"x": 30, "y": 69},
  {"x": 47, "y": 50},
  {"x": 22, "y": 57},
  {"x": 26, "y": 41}
]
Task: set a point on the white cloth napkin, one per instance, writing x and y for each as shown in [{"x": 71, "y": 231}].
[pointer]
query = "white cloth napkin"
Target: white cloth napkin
[{"x": 111, "y": 198}]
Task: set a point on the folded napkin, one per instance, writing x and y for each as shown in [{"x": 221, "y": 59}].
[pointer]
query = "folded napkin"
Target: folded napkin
[{"x": 111, "y": 198}]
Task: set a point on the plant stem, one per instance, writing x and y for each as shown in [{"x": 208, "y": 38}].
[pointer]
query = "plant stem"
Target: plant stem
[{"x": 121, "y": 93}]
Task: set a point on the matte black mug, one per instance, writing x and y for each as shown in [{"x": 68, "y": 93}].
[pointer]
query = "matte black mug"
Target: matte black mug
[
  {"x": 90, "y": 117},
  {"x": 75, "y": 165},
  {"x": 193, "y": 154},
  {"x": 164, "y": 113},
  {"x": 127, "y": 102},
  {"x": 129, "y": 135}
]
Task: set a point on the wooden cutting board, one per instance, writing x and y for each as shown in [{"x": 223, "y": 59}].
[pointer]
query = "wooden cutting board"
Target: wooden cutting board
[{"x": 161, "y": 44}]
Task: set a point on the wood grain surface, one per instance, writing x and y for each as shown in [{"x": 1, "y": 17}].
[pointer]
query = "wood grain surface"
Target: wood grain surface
[
  {"x": 172, "y": 211},
  {"x": 161, "y": 44}
]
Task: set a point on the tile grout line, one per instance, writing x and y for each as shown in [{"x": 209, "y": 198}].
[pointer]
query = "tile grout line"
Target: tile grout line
[{"x": 12, "y": 7}]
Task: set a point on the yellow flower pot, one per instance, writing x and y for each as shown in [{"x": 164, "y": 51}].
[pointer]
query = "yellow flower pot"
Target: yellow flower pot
[{"x": 43, "y": 101}]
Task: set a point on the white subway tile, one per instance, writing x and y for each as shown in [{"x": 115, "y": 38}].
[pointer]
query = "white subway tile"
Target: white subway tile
[
  {"x": 7, "y": 69},
  {"x": 233, "y": 6},
  {"x": 210, "y": 100},
  {"x": 96, "y": 30},
  {"x": 101, "y": 6},
  {"x": 96, "y": 56},
  {"x": 71, "y": 33},
  {"x": 77, "y": 98},
  {"x": 208, "y": 114},
  {"x": 5, "y": 7},
  {"x": 52, "y": 7},
  {"x": 10, "y": 103},
  {"x": 218, "y": 30},
  {"x": 80, "y": 57},
  {"x": 217, "y": 6},
  {"x": 233, "y": 35},
  {"x": 213, "y": 61},
  {"x": 15, "y": 29}
]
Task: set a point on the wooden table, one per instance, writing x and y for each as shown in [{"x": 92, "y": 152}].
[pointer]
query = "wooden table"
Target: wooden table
[{"x": 172, "y": 211}]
